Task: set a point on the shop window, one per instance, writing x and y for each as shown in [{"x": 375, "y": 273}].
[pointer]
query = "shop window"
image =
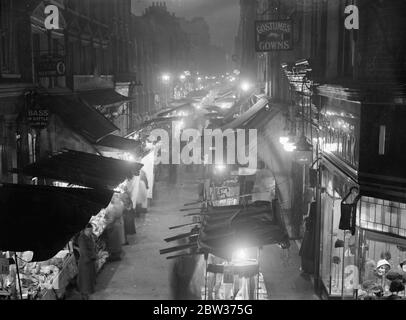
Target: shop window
[
  {"x": 383, "y": 216},
  {"x": 8, "y": 56},
  {"x": 382, "y": 259},
  {"x": 339, "y": 271}
]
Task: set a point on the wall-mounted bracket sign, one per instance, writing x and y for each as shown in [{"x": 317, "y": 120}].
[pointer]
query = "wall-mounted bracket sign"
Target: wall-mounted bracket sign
[
  {"x": 38, "y": 117},
  {"x": 48, "y": 66},
  {"x": 273, "y": 35}
]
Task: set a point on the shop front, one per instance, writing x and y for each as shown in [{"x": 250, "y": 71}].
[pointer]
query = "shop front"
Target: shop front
[{"x": 362, "y": 203}]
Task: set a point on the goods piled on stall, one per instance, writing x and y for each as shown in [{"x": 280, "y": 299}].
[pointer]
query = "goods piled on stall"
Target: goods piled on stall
[
  {"x": 45, "y": 220},
  {"x": 39, "y": 280}
]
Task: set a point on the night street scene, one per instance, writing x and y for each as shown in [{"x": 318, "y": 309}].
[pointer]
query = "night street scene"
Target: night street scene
[{"x": 203, "y": 150}]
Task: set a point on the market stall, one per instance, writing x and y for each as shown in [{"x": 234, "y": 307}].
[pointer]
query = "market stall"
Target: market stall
[
  {"x": 220, "y": 234},
  {"x": 36, "y": 250},
  {"x": 38, "y": 258}
]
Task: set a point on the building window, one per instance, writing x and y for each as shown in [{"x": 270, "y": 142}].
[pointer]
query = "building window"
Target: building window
[
  {"x": 383, "y": 216},
  {"x": 8, "y": 56}
]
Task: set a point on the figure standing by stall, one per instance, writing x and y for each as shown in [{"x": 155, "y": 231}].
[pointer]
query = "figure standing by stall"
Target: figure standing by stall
[
  {"x": 129, "y": 217},
  {"x": 87, "y": 263},
  {"x": 115, "y": 229}
]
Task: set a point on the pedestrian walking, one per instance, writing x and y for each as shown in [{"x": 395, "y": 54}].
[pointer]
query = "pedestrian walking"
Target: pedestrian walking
[
  {"x": 87, "y": 263},
  {"x": 129, "y": 217}
]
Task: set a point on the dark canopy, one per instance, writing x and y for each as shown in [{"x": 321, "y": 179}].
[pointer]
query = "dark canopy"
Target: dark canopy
[
  {"x": 120, "y": 143},
  {"x": 78, "y": 116},
  {"x": 43, "y": 219},
  {"x": 225, "y": 229},
  {"x": 84, "y": 169},
  {"x": 103, "y": 97},
  {"x": 248, "y": 115}
]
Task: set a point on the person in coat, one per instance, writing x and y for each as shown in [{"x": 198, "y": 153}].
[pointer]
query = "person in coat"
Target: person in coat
[
  {"x": 87, "y": 263},
  {"x": 115, "y": 229},
  {"x": 129, "y": 217}
]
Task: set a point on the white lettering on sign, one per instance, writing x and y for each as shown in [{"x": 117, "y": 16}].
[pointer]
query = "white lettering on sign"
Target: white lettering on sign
[
  {"x": 52, "y": 19},
  {"x": 275, "y": 45},
  {"x": 274, "y": 26},
  {"x": 352, "y": 21}
]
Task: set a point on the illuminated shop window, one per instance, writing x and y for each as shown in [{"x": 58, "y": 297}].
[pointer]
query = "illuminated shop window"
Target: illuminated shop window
[
  {"x": 338, "y": 265},
  {"x": 382, "y": 259},
  {"x": 383, "y": 216}
]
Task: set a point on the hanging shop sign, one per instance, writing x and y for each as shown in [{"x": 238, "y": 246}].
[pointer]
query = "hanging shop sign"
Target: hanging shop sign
[
  {"x": 51, "y": 67},
  {"x": 273, "y": 35},
  {"x": 38, "y": 117}
]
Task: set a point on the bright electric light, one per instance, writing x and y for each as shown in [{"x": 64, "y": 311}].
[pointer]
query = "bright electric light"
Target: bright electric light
[
  {"x": 245, "y": 86},
  {"x": 289, "y": 147},
  {"x": 182, "y": 77},
  {"x": 220, "y": 167},
  {"x": 284, "y": 140},
  {"x": 199, "y": 79},
  {"x": 180, "y": 125},
  {"x": 166, "y": 77},
  {"x": 240, "y": 254},
  {"x": 129, "y": 157}
]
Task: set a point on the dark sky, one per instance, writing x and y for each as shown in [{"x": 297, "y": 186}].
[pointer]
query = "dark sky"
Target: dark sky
[{"x": 221, "y": 15}]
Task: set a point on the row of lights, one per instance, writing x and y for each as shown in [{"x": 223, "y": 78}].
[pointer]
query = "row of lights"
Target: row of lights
[{"x": 167, "y": 77}]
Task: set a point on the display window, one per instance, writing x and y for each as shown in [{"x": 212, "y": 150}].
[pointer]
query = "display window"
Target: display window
[
  {"x": 338, "y": 264},
  {"x": 382, "y": 247}
]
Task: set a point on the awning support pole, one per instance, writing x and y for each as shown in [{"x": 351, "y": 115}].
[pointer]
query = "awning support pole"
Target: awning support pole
[
  {"x": 206, "y": 258},
  {"x": 18, "y": 275},
  {"x": 259, "y": 270}
]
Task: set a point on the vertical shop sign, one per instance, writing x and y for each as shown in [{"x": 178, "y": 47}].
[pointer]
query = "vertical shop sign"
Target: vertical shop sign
[{"x": 273, "y": 35}]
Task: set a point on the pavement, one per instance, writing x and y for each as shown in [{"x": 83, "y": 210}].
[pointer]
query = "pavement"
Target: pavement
[{"x": 144, "y": 274}]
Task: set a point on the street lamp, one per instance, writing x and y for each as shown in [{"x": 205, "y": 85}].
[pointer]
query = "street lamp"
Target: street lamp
[
  {"x": 246, "y": 86},
  {"x": 182, "y": 77},
  {"x": 304, "y": 151},
  {"x": 166, "y": 77}
]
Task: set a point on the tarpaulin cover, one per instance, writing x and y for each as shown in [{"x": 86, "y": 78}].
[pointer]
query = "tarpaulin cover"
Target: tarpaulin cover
[
  {"x": 120, "y": 143},
  {"x": 103, "y": 97},
  {"x": 84, "y": 169},
  {"x": 247, "y": 116},
  {"x": 43, "y": 219},
  {"x": 81, "y": 118},
  {"x": 226, "y": 229}
]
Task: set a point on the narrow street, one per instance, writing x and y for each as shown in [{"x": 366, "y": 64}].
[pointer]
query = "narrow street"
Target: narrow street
[{"x": 144, "y": 274}]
